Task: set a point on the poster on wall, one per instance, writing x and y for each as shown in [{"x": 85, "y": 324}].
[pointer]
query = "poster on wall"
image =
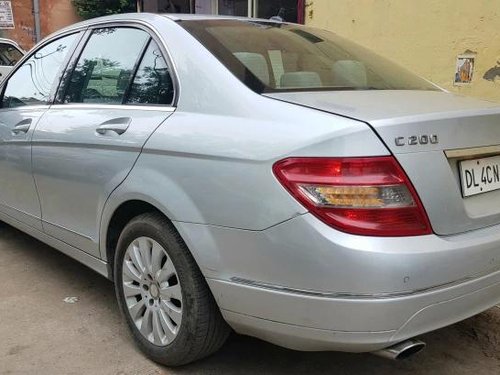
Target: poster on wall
[
  {"x": 464, "y": 70},
  {"x": 6, "y": 16}
]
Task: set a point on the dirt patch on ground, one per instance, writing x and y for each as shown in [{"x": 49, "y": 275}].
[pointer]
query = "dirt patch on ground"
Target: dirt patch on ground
[{"x": 483, "y": 331}]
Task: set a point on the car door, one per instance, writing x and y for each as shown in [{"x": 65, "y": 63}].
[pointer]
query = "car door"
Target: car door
[
  {"x": 25, "y": 98},
  {"x": 118, "y": 92},
  {"x": 9, "y": 56}
]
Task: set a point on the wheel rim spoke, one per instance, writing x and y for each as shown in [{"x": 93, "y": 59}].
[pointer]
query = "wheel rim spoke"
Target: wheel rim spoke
[
  {"x": 166, "y": 271},
  {"x": 152, "y": 291},
  {"x": 131, "y": 290},
  {"x": 157, "y": 328},
  {"x": 168, "y": 328},
  {"x": 157, "y": 255},
  {"x": 132, "y": 272},
  {"x": 169, "y": 292},
  {"x": 136, "y": 310},
  {"x": 135, "y": 256},
  {"x": 173, "y": 312},
  {"x": 144, "y": 246},
  {"x": 146, "y": 326}
]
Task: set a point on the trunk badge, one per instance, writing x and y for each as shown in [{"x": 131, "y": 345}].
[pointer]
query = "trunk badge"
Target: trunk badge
[{"x": 415, "y": 140}]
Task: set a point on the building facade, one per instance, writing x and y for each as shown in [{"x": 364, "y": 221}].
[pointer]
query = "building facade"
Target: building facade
[
  {"x": 289, "y": 10},
  {"x": 52, "y": 15},
  {"x": 453, "y": 43}
]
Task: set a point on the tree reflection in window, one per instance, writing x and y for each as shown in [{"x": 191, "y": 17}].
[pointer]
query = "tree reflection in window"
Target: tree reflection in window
[
  {"x": 152, "y": 83},
  {"x": 104, "y": 69},
  {"x": 32, "y": 83}
]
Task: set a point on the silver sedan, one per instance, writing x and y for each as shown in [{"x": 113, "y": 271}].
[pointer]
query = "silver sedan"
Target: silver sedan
[{"x": 254, "y": 175}]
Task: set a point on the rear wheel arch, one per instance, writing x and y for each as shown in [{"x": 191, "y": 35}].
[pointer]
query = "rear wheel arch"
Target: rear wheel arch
[
  {"x": 117, "y": 217},
  {"x": 125, "y": 204},
  {"x": 120, "y": 217}
]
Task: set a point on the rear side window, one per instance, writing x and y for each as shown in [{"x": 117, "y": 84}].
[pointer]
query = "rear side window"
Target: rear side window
[
  {"x": 32, "y": 83},
  {"x": 105, "y": 68},
  {"x": 152, "y": 83},
  {"x": 9, "y": 55}
]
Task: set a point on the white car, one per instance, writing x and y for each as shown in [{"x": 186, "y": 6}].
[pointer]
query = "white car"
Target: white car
[{"x": 10, "y": 54}]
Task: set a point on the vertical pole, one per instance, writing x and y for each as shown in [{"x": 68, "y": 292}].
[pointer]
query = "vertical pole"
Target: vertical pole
[
  {"x": 36, "y": 15},
  {"x": 301, "y": 11}
]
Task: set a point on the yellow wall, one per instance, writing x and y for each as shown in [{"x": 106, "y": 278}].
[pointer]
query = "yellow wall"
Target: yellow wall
[{"x": 423, "y": 35}]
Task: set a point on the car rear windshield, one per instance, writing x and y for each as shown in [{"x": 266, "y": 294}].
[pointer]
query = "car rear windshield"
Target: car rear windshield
[{"x": 276, "y": 57}]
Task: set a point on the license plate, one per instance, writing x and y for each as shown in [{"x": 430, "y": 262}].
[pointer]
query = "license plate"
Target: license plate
[{"x": 480, "y": 175}]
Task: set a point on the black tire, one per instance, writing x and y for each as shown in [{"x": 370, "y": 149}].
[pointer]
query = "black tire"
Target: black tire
[{"x": 203, "y": 330}]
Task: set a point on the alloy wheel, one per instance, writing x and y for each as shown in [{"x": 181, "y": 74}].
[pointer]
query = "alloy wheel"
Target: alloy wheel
[{"x": 152, "y": 291}]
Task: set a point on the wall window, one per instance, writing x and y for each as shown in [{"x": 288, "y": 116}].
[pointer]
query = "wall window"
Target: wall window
[
  {"x": 104, "y": 70},
  {"x": 174, "y": 6},
  {"x": 167, "y": 6},
  {"x": 233, "y": 8},
  {"x": 287, "y": 10},
  {"x": 32, "y": 83}
]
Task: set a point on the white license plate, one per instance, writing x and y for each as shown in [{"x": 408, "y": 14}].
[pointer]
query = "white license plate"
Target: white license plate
[{"x": 480, "y": 175}]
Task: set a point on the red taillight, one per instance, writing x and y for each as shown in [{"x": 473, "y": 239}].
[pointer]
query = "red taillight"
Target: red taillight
[{"x": 365, "y": 196}]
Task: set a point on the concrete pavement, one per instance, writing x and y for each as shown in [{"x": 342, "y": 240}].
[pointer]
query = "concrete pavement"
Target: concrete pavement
[{"x": 42, "y": 334}]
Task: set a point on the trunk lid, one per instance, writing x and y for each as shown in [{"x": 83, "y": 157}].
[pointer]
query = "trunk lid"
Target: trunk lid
[{"x": 453, "y": 128}]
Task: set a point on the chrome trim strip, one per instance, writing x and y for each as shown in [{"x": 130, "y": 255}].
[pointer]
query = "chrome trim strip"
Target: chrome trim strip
[
  {"x": 57, "y": 226},
  {"x": 6, "y": 206},
  {"x": 74, "y": 106},
  {"x": 16, "y": 142},
  {"x": 358, "y": 296},
  {"x": 26, "y": 108},
  {"x": 90, "y": 146},
  {"x": 472, "y": 152}
]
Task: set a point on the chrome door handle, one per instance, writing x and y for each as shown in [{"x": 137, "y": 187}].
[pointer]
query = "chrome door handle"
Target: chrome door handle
[
  {"x": 118, "y": 125},
  {"x": 22, "y": 127}
]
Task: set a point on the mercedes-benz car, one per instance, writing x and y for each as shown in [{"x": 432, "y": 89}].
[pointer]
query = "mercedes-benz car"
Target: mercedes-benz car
[
  {"x": 254, "y": 175},
  {"x": 10, "y": 54}
]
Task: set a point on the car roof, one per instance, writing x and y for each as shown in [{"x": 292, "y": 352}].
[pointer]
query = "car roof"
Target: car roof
[
  {"x": 203, "y": 17},
  {"x": 152, "y": 17}
]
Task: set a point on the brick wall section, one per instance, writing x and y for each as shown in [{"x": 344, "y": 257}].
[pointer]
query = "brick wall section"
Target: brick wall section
[
  {"x": 24, "y": 32},
  {"x": 54, "y": 15}
]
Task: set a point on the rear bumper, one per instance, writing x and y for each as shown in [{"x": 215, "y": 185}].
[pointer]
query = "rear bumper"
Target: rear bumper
[
  {"x": 304, "y": 285},
  {"x": 313, "y": 323}
]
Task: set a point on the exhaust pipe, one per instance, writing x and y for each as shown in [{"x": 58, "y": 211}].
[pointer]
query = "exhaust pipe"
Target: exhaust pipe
[{"x": 401, "y": 350}]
